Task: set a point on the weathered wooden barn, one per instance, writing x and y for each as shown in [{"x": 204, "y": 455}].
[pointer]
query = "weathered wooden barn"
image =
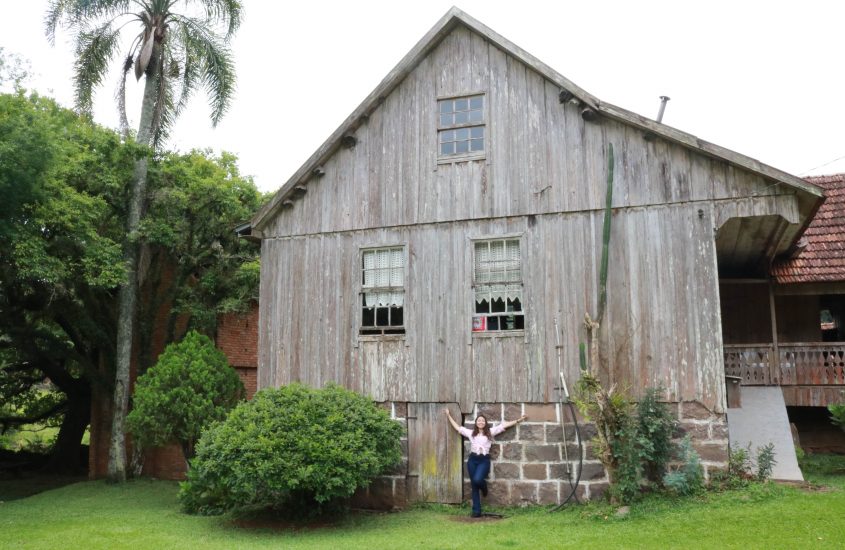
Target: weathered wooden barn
[{"x": 443, "y": 244}]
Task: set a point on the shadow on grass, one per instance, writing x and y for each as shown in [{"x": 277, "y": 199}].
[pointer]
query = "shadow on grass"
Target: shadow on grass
[
  {"x": 25, "y": 473},
  {"x": 31, "y": 483}
]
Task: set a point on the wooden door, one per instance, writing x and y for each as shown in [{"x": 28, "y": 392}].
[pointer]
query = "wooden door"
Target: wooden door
[{"x": 435, "y": 454}]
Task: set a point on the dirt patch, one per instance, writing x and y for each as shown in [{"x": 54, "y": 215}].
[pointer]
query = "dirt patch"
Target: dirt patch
[
  {"x": 279, "y": 524},
  {"x": 806, "y": 486},
  {"x": 268, "y": 520},
  {"x": 470, "y": 519}
]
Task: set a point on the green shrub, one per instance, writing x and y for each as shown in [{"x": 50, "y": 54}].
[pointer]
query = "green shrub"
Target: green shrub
[
  {"x": 739, "y": 462},
  {"x": 627, "y": 454},
  {"x": 688, "y": 478},
  {"x": 291, "y": 448},
  {"x": 634, "y": 441},
  {"x": 742, "y": 469},
  {"x": 191, "y": 386},
  {"x": 765, "y": 461},
  {"x": 837, "y": 414},
  {"x": 656, "y": 425}
]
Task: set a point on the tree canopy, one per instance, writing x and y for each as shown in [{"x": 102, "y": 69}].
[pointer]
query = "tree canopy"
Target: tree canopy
[{"x": 60, "y": 257}]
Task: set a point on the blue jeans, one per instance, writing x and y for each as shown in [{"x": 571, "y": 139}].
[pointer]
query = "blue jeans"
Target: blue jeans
[{"x": 478, "y": 466}]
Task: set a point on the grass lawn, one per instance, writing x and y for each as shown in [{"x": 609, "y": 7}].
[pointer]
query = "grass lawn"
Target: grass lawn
[{"x": 145, "y": 514}]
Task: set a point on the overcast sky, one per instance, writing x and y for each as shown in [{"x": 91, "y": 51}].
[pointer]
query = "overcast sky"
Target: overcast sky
[{"x": 766, "y": 79}]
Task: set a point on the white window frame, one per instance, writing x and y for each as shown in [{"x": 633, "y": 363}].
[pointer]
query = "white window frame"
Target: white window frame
[
  {"x": 513, "y": 282},
  {"x": 375, "y": 330},
  {"x": 469, "y": 126}
]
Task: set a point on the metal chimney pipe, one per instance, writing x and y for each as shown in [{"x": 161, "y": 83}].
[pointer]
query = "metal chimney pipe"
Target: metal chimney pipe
[{"x": 663, "y": 100}]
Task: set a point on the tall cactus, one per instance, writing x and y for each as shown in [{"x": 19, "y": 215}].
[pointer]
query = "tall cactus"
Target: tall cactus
[
  {"x": 605, "y": 236},
  {"x": 593, "y": 325}
]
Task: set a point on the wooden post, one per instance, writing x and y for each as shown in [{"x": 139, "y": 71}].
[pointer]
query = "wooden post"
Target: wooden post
[{"x": 774, "y": 364}]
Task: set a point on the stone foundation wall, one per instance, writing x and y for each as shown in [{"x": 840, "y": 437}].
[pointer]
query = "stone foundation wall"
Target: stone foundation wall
[
  {"x": 530, "y": 463},
  {"x": 708, "y": 431}
]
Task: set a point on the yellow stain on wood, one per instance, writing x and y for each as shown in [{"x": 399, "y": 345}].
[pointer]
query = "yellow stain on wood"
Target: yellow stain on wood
[{"x": 430, "y": 465}]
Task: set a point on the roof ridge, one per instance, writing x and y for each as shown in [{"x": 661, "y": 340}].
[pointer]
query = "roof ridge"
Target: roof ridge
[{"x": 454, "y": 17}]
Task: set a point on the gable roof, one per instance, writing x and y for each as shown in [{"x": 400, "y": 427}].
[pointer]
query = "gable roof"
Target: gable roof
[
  {"x": 822, "y": 258},
  {"x": 447, "y": 23}
]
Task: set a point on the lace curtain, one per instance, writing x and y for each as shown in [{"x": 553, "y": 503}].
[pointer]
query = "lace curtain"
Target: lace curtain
[
  {"x": 384, "y": 269},
  {"x": 498, "y": 270}
]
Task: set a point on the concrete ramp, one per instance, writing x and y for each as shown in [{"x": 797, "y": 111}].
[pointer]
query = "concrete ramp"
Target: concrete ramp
[{"x": 762, "y": 420}]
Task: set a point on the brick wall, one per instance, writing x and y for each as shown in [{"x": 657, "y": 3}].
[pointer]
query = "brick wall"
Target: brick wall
[{"x": 237, "y": 337}]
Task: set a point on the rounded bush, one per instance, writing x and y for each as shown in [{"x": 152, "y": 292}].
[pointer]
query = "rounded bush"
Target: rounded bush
[
  {"x": 293, "y": 448},
  {"x": 190, "y": 386}
]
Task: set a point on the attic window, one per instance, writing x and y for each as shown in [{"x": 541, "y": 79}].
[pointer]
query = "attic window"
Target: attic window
[
  {"x": 383, "y": 290},
  {"x": 460, "y": 126}
]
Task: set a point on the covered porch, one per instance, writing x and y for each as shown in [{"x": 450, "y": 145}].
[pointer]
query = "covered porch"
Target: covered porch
[{"x": 792, "y": 336}]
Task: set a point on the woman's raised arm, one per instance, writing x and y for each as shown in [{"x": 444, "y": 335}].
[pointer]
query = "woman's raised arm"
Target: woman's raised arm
[
  {"x": 513, "y": 423},
  {"x": 452, "y": 420}
]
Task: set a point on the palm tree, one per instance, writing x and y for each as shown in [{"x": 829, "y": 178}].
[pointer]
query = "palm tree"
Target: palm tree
[{"x": 176, "y": 50}]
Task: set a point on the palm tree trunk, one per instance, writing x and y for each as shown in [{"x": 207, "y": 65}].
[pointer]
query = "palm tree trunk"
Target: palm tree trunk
[{"x": 128, "y": 295}]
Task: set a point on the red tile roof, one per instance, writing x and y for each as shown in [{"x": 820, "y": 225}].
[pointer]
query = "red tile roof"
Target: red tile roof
[{"x": 823, "y": 258}]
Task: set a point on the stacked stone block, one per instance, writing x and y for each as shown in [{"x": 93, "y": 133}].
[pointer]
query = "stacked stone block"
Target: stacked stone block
[
  {"x": 529, "y": 463},
  {"x": 708, "y": 431}
]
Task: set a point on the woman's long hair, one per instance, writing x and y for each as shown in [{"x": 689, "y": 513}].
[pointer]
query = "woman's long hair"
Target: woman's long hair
[{"x": 485, "y": 430}]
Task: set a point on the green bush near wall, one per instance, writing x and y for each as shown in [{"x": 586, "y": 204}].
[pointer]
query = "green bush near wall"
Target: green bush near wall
[
  {"x": 294, "y": 448},
  {"x": 190, "y": 386}
]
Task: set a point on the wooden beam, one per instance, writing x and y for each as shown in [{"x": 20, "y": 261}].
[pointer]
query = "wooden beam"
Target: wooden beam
[
  {"x": 774, "y": 364},
  {"x": 743, "y": 281},
  {"x": 809, "y": 289}
]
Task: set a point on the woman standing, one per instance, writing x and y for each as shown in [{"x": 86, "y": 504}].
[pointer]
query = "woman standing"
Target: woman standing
[{"x": 478, "y": 463}]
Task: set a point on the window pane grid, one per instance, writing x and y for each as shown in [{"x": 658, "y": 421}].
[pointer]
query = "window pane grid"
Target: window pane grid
[
  {"x": 383, "y": 291},
  {"x": 460, "y": 111},
  {"x": 461, "y": 125},
  {"x": 462, "y": 140},
  {"x": 498, "y": 286}
]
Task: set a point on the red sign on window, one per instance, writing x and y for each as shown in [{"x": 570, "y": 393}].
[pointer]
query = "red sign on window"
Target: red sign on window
[{"x": 479, "y": 324}]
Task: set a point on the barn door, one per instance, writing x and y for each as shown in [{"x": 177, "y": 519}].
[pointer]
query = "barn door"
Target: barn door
[{"x": 435, "y": 465}]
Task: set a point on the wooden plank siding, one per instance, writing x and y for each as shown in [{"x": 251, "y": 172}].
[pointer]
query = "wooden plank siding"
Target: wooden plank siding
[
  {"x": 664, "y": 322},
  {"x": 542, "y": 177}
]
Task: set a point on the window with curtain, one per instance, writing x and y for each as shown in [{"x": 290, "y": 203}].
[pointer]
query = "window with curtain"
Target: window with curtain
[
  {"x": 497, "y": 279},
  {"x": 383, "y": 290}
]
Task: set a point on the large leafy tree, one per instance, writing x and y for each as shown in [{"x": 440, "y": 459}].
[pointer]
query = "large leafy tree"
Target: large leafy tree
[
  {"x": 195, "y": 265},
  {"x": 59, "y": 263},
  {"x": 60, "y": 258},
  {"x": 176, "y": 47}
]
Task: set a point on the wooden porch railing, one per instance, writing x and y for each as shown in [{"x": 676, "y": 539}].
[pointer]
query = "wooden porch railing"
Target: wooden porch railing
[{"x": 798, "y": 364}]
